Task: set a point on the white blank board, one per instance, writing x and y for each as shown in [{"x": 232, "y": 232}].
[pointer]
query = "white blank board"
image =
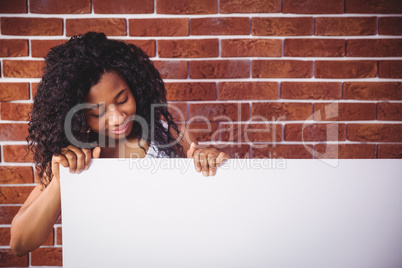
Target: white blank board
[{"x": 158, "y": 213}]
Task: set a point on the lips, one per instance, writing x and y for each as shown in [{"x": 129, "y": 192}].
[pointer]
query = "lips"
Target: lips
[{"x": 121, "y": 129}]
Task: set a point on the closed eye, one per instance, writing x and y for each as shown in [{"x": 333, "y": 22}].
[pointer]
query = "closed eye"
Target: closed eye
[
  {"x": 98, "y": 115},
  {"x": 124, "y": 101}
]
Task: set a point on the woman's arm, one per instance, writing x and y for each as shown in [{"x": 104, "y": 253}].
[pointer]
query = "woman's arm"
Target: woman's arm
[{"x": 34, "y": 222}]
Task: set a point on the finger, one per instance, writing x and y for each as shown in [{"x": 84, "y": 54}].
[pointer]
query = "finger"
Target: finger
[
  {"x": 221, "y": 158},
  {"x": 197, "y": 163},
  {"x": 204, "y": 164},
  {"x": 88, "y": 156},
  {"x": 191, "y": 151},
  {"x": 212, "y": 164},
  {"x": 79, "y": 158},
  {"x": 56, "y": 160},
  {"x": 96, "y": 152},
  {"x": 72, "y": 160}
]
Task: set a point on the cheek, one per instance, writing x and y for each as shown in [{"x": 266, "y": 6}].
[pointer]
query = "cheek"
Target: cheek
[
  {"x": 132, "y": 106},
  {"x": 95, "y": 124}
]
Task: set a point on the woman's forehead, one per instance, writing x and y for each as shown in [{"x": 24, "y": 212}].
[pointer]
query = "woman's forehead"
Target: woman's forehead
[{"x": 109, "y": 85}]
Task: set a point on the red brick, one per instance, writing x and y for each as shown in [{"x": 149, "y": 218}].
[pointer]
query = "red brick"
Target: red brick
[
  {"x": 178, "y": 111},
  {"x": 23, "y": 68},
  {"x": 190, "y": 48},
  {"x": 390, "y": 69},
  {"x": 220, "y": 26},
  {"x": 313, "y": 6},
  {"x": 314, "y": 132},
  {"x": 159, "y": 27},
  {"x": 186, "y": 7},
  {"x": 148, "y": 46},
  {"x": 220, "y": 111},
  {"x": 314, "y": 47},
  {"x": 282, "y": 69},
  {"x": 389, "y": 150},
  {"x": 345, "y": 69},
  {"x": 14, "y": 91},
  {"x": 372, "y": 90},
  {"x": 17, "y": 153},
  {"x": 281, "y": 111},
  {"x": 373, "y": 6},
  {"x": 60, "y": 7},
  {"x": 8, "y": 259},
  {"x": 40, "y": 48},
  {"x": 251, "y": 132},
  {"x": 7, "y": 213},
  {"x": 220, "y": 69},
  {"x": 4, "y": 236},
  {"x": 31, "y": 26},
  {"x": 311, "y": 90},
  {"x": 59, "y": 236},
  {"x": 248, "y": 91},
  {"x": 15, "y": 6},
  {"x": 34, "y": 89},
  {"x": 14, "y": 194},
  {"x": 282, "y": 151},
  {"x": 13, "y": 132},
  {"x": 390, "y": 26},
  {"x": 15, "y": 111},
  {"x": 282, "y": 26},
  {"x": 251, "y": 48},
  {"x": 345, "y": 26},
  {"x": 190, "y": 91},
  {"x": 109, "y": 26},
  {"x": 13, "y": 47},
  {"x": 14, "y": 174},
  {"x": 47, "y": 257},
  {"x": 374, "y": 48},
  {"x": 344, "y": 111},
  {"x": 375, "y": 132},
  {"x": 172, "y": 69},
  {"x": 123, "y": 6},
  {"x": 203, "y": 131},
  {"x": 389, "y": 111},
  {"x": 249, "y": 6},
  {"x": 345, "y": 151}
]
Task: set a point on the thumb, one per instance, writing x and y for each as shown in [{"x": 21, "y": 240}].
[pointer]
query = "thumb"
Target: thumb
[
  {"x": 96, "y": 152},
  {"x": 192, "y": 149}
]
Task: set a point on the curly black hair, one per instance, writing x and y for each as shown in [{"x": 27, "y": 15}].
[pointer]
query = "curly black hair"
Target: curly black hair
[{"x": 71, "y": 70}]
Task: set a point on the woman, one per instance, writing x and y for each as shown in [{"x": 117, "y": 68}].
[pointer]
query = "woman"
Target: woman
[{"x": 97, "y": 98}]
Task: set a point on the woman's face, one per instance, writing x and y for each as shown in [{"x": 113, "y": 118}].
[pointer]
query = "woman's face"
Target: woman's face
[{"x": 112, "y": 106}]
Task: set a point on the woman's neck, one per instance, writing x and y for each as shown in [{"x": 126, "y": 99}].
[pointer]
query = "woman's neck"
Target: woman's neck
[{"x": 130, "y": 148}]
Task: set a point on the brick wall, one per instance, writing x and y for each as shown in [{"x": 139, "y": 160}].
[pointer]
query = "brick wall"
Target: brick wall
[{"x": 301, "y": 78}]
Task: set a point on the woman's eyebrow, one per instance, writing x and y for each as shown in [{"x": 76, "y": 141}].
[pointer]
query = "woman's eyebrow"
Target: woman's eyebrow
[{"x": 121, "y": 92}]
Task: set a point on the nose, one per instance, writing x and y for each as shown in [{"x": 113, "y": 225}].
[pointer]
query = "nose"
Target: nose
[{"x": 116, "y": 117}]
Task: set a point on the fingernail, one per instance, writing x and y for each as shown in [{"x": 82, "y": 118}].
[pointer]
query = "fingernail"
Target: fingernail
[
  {"x": 72, "y": 171},
  {"x": 86, "y": 167},
  {"x": 205, "y": 173},
  {"x": 211, "y": 173},
  {"x": 198, "y": 169}
]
